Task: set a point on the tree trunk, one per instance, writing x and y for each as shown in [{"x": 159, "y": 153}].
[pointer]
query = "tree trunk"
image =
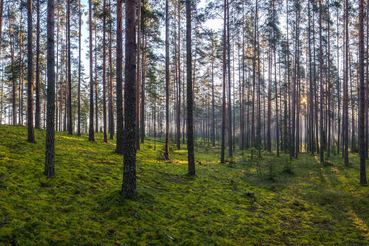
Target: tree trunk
[
  {"x": 138, "y": 75},
  {"x": 190, "y": 140},
  {"x": 104, "y": 74},
  {"x": 142, "y": 119},
  {"x": 178, "y": 133},
  {"x": 70, "y": 120},
  {"x": 230, "y": 148},
  {"x": 129, "y": 153},
  {"x": 166, "y": 151},
  {"x": 345, "y": 126},
  {"x": 321, "y": 83},
  {"x": 362, "y": 94},
  {"x": 91, "y": 125},
  {"x": 31, "y": 134},
  {"x": 119, "y": 147},
  {"x": 111, "y": 107},
  {"x": 50, "y": 127},
  {"x": 79, "y": 67},
  {"x": 222, "y": 157}
]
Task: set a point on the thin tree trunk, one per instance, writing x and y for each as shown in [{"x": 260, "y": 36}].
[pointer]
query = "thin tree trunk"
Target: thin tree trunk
[
  {"x": 345, "y": 139},
  {"x": 38, "y": 85},
  {"x": 91, "y": 123},
  {"x": 329, "y": 87},
  {"x": 111, "y": 106},
  {"x": 79, "y": 67},
  {"x": 142, "y": 119},
  {"x": 104, "y": 73},
  {"x": 138, "y": 75},
  {"x": 119, "y": 147},
  {"x": 178, "y": 136},
  {"x": 31, "y": 134},
  {"x": 230, "y": 147},
  {"x": 166, "y": 152},
  {"x": 70, "y": 120},
  {"x": 362, "y": 94},
  {"x": 222, "y": 157}
]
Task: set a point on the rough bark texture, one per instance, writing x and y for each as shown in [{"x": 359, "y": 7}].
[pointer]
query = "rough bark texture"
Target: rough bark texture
[
  {"x": 31, "y": 134},
  {"x": 129, "y": 153},
  {"x": 190, "y": 140},
  {"x": 50, "y": 121}
]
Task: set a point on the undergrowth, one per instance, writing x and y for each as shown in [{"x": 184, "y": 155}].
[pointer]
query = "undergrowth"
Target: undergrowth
[{"x": 259, "y": 201}]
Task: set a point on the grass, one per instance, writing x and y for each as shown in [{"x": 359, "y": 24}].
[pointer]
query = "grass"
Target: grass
[{"x": 267, "y": 201}]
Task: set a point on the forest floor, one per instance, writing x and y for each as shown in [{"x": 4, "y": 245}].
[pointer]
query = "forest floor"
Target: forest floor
[{"x": 269, "y": 201}]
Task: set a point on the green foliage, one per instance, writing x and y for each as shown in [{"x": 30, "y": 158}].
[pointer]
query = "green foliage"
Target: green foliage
[{"x": 220, "y": 206}]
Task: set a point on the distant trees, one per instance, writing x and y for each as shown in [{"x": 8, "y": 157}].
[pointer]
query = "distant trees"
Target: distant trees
[{"x": 253, "y": 83}]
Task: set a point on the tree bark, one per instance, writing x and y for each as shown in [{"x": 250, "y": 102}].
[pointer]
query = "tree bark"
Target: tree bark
[
  {"x": 50, "y": 126},
  {"x": 104, "y": 73},
  {"x": 31, "y": 134},
  {"x": 129, "y": 153},
  {"x": 362, "y": 94},
  {"x": 166, "y": 151},
  {"x": 91, "y": 123},
  {"x": 190, "y": 139},
  {"x": 38, "y": 85},
  {"x": 79, "y": 67}
]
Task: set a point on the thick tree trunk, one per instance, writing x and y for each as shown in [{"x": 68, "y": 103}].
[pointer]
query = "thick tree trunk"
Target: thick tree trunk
[
  {"x": 129, "y": 153},
  {"x": 50, "y": 126},
  {"x": 190, "y": 140}
]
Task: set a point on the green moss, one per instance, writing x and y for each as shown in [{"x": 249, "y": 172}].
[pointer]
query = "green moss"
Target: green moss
[{"x": 319, "y": 204}]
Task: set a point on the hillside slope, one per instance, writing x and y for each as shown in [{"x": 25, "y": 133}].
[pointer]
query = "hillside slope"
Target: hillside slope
[{"x": 268, "y": 202}]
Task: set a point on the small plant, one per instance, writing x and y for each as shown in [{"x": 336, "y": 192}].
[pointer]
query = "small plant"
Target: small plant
[
  {"x": 287, "y": 169},
  {"x": 271, "y": 175}
]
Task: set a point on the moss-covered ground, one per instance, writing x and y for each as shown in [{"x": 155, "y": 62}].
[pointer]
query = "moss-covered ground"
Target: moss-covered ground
[{"x": 267, "y": 201}]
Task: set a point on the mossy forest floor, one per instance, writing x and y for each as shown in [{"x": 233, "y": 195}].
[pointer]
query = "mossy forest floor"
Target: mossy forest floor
[{"x": 271, "y": 201}]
